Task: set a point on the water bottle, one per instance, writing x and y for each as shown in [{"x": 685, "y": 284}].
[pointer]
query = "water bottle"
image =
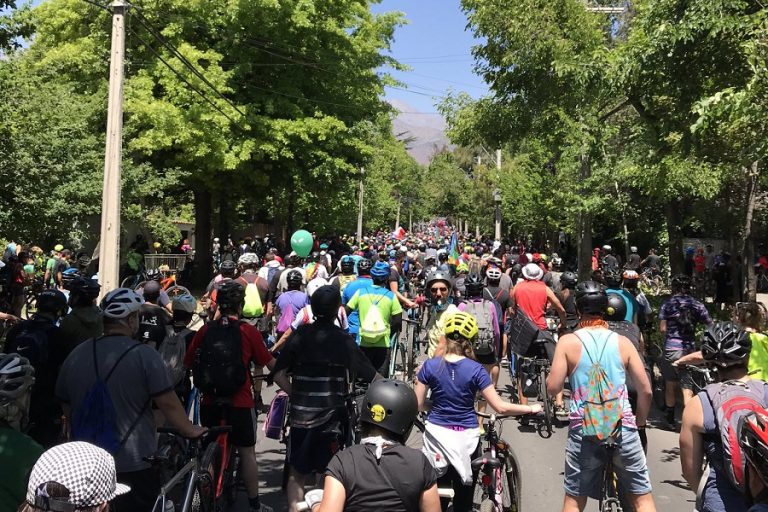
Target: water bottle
[{"x": 169, "y": 506}]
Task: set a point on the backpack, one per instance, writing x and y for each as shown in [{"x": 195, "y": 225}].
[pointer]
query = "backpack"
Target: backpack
[
  {"x": 32, "y": 342},
  {"x": 94, "y": 420},
  {"x": 484, "y": 343},
  {"x": 731, "y": 402},
  {"x": 278, "y": 410},
  {"x": 218, "y": 368},
  {"x": 603, "y": 411},
  {"x": 271, "y": 274},
  {"x": 373, "y": 325},
  {"x": 252, "y": 308},
  {"x": 172, "y": 351}
]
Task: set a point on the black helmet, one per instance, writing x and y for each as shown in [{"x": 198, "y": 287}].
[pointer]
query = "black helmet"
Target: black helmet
[
  {"x": 390, "y": 405},
  {"x": 294, "y": 278},
  {"x": 569, "y": 280},
  {"x": 725, "y": 344},
  {"x": 228, "y": 267},
  {"x": 83, "y": 260},
  {"x": 51, "y": 301},
  {"x": 473, "y": 286},
  {"x": 364, "y": 266},
  {"x": 90, "y": 288},
  {"x": 591, "y": 298},
  {"x": 230, "y": 295},
  {"x": 347, "y": 265},
  {"x": 617, "y": 308},
  {"x": 681, "y": 283},
  {"x": 612, "y": 278},
  {"x": 325, "y": 302}
]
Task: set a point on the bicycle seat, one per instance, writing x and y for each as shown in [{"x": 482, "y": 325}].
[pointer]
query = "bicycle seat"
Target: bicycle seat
[{"x": 485, "y": 460}]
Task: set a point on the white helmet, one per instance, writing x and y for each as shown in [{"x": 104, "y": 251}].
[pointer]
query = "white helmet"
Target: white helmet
[
  {"x": 633, "y": 249},
  {"x": 215, "y": 239},
  {"x": 249, "y": 258},
  {"x": 315, "y": 284},
  {"x": 121, "y": 302},
  {"x": 493, "y": 274},
  {"x": 532, "y": 272},
  {"x": 606, "y": 247}
]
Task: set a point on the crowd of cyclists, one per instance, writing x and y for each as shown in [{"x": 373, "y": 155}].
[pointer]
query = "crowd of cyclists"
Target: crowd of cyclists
[{"x": 85, "y": 385}]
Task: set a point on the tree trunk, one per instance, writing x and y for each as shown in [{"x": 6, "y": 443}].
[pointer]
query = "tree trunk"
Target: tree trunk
[
  {"x": 584, "y": 230},
  {"x": 675, "y": 234},
  {"x": 223, "y": 217},
  {"x": 203, "y": 214},
  {"x": 747, "y": 242}
]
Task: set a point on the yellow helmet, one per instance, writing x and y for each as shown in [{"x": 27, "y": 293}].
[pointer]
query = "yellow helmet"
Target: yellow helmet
[{"x": 460, "y": 324}]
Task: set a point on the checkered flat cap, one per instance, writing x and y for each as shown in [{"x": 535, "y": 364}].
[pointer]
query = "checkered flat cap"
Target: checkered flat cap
[{"x": 87, "y": 471}]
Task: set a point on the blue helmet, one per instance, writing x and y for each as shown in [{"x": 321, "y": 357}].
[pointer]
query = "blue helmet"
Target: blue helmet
[{"x": 380, "y": 271}]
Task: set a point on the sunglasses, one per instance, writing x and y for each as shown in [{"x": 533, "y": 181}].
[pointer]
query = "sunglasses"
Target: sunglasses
[{"x": 440, "y": 289}]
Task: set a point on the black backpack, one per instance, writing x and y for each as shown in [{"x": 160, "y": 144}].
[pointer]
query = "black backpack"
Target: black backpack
[{"x": 218, "y": 368}]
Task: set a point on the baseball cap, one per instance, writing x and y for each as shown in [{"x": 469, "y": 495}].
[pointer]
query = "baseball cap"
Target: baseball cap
[{"x": 85, "y": 470}]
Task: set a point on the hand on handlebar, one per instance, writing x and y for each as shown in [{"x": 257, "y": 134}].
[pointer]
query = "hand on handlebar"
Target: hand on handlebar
[
  {"x": 193, "y": 432},
  {"x": 535, "y": 408}
]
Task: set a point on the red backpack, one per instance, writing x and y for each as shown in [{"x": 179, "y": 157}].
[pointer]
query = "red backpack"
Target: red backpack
[{"x": 732, "y": 401}]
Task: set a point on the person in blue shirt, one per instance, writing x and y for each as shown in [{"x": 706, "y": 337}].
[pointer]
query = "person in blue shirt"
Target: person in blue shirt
[
  {"x": 613, "y": 282},
  {"x": 363, "y": 281}
]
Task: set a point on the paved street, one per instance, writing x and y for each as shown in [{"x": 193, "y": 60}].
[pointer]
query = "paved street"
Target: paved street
[{"x": 542, "y": 467}]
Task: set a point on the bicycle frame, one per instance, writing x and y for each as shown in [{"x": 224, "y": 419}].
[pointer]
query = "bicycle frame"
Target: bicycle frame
[
  {"x": 491, "y": 465},
  {"x": 610, "y": 497}
]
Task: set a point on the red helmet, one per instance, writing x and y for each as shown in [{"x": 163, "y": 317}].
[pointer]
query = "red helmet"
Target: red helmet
[{"x": 754, "y": 442}]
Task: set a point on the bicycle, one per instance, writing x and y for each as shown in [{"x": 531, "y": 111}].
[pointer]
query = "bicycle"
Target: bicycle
[
  {"x": 167, "y": 284},
  {"x": 701, "y": 376},
  {"x": 536, "y": 370},
  {"x": 397, "y": 354},
  {"x": 658, "y": 383},
  {"x": 198, "y": 475},
  {"x": 651, "y": 281},
  {"x": 31, "y": 293},
  {"x": 412, "y": 345},
  {"x": 609, "y": 495},
  {"x": 499, "y": 486}
]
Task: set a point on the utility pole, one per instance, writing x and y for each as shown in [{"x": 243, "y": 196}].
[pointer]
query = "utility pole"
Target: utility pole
[
  {"x": 109, "y": 245},
  {"x": 360, "y": 210},
  {"x": 397, "y": 219},
  {"x": 497, "y": 197}
]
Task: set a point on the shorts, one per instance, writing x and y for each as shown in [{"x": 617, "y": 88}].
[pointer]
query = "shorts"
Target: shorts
[
  {"x": 585, "y": 461},
  {"x": 487, "y": 358},
  {"x": 379, "y": 358},
  {"x": 241, "y": 419},
  {"x": 311, "y": 449},
  {"x": 673, "y": 373}
]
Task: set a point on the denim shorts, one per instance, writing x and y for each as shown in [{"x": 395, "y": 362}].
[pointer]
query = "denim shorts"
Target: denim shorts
[{"x": 585, "y": 460}]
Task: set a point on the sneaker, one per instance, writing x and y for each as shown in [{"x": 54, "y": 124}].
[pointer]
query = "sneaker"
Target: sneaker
[{"x": 561, "y": 413}]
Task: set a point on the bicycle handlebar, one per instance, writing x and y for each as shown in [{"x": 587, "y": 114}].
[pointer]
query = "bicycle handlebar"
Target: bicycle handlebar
[
  {"x": 493, "y": 415},
  {"x": 224, "y": 429}
]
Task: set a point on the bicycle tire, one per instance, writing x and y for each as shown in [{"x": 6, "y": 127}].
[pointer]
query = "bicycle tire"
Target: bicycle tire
[
  {"x": 200, "y": 501},
  {"x": 512, "y": 484},
  {"x": 546, "y": 402},
  {"x": 411, "y": 352},
  {"x": 177, "y": 290},
  {"x": 230, "y": 477},
  {"x": 128, "y": 282},
  {"x": 658, "y": 385},
  {"x": 209, "y": 464}
]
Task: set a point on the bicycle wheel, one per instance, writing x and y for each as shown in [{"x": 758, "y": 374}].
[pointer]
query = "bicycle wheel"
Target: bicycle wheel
[
  {"x": 128, "y": 282},
  {"x": 229, "y": 491},
  {"x": 410, "y": 356},
  {"x": 176, "y": 291},
  {"x": 511, "y": 486},
  {"x": 546, "y": 402},
  {"x": 209, "y": 464},
  {"x": 658, "y": 384},
  {"x": 393, "y": 355}
]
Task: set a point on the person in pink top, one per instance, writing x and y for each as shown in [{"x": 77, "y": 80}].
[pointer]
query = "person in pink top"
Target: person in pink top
[{"x": 533, "y": 297}]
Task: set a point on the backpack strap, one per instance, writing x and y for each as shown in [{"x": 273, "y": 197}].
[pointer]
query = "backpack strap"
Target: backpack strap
[{"x": 117, "y": 363}]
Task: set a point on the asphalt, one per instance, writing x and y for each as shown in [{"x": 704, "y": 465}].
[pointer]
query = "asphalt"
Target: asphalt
[{"x": 541, "y": 460}]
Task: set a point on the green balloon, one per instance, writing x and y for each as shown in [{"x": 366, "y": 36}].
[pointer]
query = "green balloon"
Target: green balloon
[{"x": 301, "y": 243}]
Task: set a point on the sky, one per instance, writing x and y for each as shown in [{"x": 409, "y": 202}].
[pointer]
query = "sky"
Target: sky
[{"x": 436, "y": 46}]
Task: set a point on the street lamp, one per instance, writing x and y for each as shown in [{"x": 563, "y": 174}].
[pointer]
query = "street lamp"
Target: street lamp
[
  {"x": 497, "y": 201},
  {"x": 360, "y": 209}
]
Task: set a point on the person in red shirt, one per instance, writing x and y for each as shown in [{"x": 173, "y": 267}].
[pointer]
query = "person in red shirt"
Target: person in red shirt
[
  {"x": 236, "y": 411},
  {"x": 700, "y": 262},
  {"x": 532, "y": 296}
]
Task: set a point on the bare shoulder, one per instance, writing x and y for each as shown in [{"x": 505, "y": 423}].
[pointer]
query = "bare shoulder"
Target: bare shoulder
[{"x": 568, "y": 340}]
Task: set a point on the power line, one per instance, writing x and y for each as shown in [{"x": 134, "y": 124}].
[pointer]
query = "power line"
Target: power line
[
  {"x": 179, "y": 75},
  {"x": 142, "y": 19}
]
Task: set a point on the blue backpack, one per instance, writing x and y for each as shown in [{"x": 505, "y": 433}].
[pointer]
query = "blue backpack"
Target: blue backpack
[{"x": 94, "y": 420}]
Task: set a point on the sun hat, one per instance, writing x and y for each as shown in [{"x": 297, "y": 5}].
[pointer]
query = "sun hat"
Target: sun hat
[
  {"x": 85, "y": 470},
  {"x": 532, "y": 272}
]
